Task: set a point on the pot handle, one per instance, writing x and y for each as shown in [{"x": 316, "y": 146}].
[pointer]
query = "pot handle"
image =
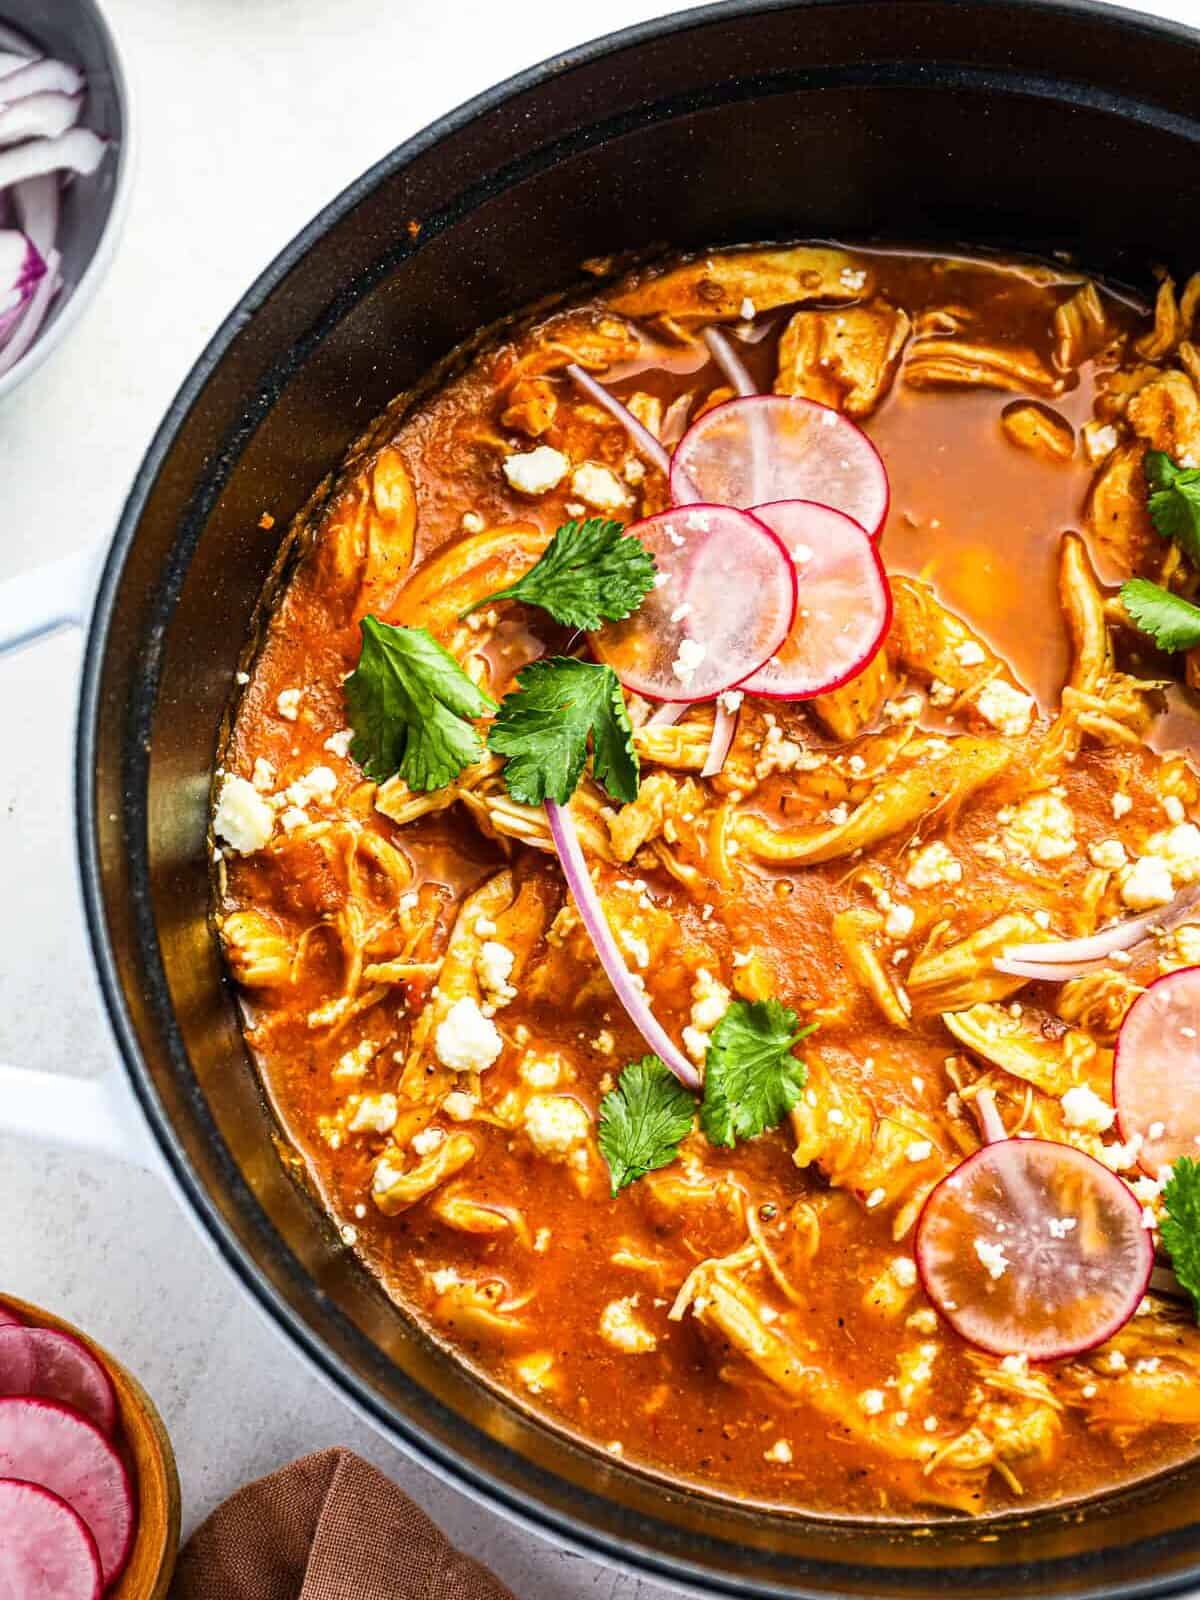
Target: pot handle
[
  {"x": 94, "y": 1115},
  {"x": 58, "y": 595}
]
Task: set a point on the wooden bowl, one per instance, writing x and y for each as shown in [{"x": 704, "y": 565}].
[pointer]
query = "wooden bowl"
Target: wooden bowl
[{"x": 156, "y": 1542}]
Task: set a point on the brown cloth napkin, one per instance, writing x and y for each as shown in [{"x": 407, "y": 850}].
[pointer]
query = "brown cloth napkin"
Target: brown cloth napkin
[{"x": 329, "y": 1527}]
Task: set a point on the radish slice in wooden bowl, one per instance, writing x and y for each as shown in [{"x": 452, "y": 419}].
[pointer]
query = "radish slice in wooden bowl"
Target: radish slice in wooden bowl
[
  {"x": 1033, "y": 1248},
  {"x": 1156, "y": 1070},
  {"x": 843, "y": 603},
  {"x": 46, "y": 1443},
  {"x": 46, "y": 1551},
  {"x": 45, "y": 1362},
  {"x": 721, "y": 606},
  {"x": 769, "y": 447}
]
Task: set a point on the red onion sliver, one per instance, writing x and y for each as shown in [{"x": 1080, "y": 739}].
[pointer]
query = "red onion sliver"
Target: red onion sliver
[
  {"x": 21, "y": 269},
  {"x": 730, "y": 363},
  {"x": 35, "y": 314},
  {"x": 38, "y": 77},
  {"x": 10, "y": 62},
  {"x": 1047, "y": 971},
  {"x": 644, "y": 441},
  {"x": 1121, "y": 936},
  {"x": 37, "y": 202},
  {"x": 629, "y": 993},
  {"x": 668, "y": 713},
  {"x": 39, "y": 116},
  {"x": 990, "y": 1124},
  {"x": 78, "y": 150},
  {"x": 724, "y": 727}
]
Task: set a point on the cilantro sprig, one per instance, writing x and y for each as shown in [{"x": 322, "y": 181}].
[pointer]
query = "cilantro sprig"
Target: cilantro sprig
[
  {"x": 643, "y": 1120},
  {"x": 543, "y": 728},
  {"x": 590, "y": 572},
  {"x": 1170, "y": 620},
  {"x": 408, "y": 702},
  {"x": 1180, "y": 1229},
  {"x": 1174, "y": 502},
  {"x": 752, "y": 1079}
]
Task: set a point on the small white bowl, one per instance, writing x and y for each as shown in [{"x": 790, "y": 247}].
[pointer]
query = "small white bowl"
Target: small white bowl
[{"x": 93, "y": 208}]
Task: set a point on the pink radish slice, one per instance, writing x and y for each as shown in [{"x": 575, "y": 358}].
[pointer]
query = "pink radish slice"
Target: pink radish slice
[
  {"x": 763, "y": 448},
  {"x": 56, "y": 1366},
  {"x": 722, "y": 605},
  {"x": 46, "y": 1551},
  {"x": 843, "y": 602},
  {"x": 1032, "y": 1248},
  {"x": 44, "y": 1442},
  {"x": 1156, "y": 1070}
]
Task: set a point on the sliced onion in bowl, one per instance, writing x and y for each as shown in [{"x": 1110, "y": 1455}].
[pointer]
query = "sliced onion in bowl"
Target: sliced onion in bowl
[
  {"x": 1156, "y": 1070},
  {"x": 39, "y": 116},
  {"x": 843, "y": 602},
  {"x": 41, "y": 76},
  {"x": 1033, "y": 1248},
  {"x": 811, "y": 452},
  {"x": 731, "y": 364},
  {"x": 26, "y": 330},
  {"x": 78, "y": 150},
  {"x": 723, "y": 603},
  {"x": 724, "y": 728},
  {"x": 1121, "y": 936},
  {"x": 628, "y": 991},
  {"x": 643, "y": 440},
  {"x": 21, "y": 270}
]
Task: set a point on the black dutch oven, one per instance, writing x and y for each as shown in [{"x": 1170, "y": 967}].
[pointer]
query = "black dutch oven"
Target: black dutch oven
[{"x": 1045, "y": 127}]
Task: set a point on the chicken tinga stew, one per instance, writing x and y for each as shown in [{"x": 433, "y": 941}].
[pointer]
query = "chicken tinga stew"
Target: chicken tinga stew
[{"x": 706, "y": 847}]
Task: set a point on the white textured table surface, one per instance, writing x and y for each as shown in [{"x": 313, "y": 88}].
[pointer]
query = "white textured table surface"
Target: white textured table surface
[{"x": 252, "y": 113}]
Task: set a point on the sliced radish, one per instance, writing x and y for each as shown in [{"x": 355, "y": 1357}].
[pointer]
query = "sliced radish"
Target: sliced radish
[
  {"x": 843, "y": 602},
  {"x": 1033, "y": 1248},
  {"x": 46, "y": 1551},
  {"x": 44, "y": 1442},
  {"x": 56, "y": 1366},
  {"x": 1156, "y": 1070},
  {"x": 722, "y": 605},
  {"x": 762, "y": 448}
]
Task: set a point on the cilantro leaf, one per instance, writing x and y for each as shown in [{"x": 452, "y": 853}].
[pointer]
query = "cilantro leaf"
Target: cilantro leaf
[
  {"x": 751, "y": 1078},
  {"x": 642, "y": 1120},
  {"x": 1174, "y": 502},
  {"x": 589, "y": 572},
  {"x": 543, "y": 727},
  {"x": 406, "y": 701},
  {"x": 1181, "y": 1224},
  {"x": 1172, "y": 622}
]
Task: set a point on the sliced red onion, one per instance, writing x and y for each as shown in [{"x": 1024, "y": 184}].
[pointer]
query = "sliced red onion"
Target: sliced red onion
[
  {"x": 644, "y": 441},
  {"x": 668, "y": 713},
  {"x": 730, "y": 363},
  {"x": 35, "y": 314},
  {"x": 1047, "y": 971},
  {"x": 21, "y": 270},
  {"x": 11, "y": 62},
  {"x": 37, "y": 202},
  {"x": 79, "y": 150},
  {"x": 39, "y": 116},
  {"x": 724, "y": 727},
  {"x": 1121, "y": 936},
  {"x": 629, "y": 993},
  {"x": 40, "y": 77}
]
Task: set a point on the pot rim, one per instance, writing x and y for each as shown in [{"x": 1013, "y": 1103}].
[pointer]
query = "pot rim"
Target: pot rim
[{"x": 523, "y": 1505}]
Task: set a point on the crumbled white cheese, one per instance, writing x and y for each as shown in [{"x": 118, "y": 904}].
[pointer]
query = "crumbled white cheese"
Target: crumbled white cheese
[
  {"x": 555, "y": 1124},
  {"x": 316, "y": 786},
  {"x": 1042, "y": 828},
  {"x": 688, "y": 657},
  {"x": 1108, "y": 854},
  {"x": 466, "y": 1040},
  {"x": 710, "y": 1000},
  {"x": 1121, "y": 805},
  {"x": 992, "y": 1256},
  {"x": 933, "y": 865},
  {"x": 1099, "y": 441},
  {"x": 1015, "y": 1365},
  {"x": 969, "y": 654},
  {"x": 536, "y": 471},
  {"x": 540, "y": 1072},
  {"x": 1008, "y": 710},
  {"x": 621, "y": 1327},
  {"x": 374, "y": 1113},
  {"x": 1147, "y": 883},
  {"x": 876, "y": 1198},
  {"x": 287, "y": 703},
  {"x": 904, "y": 1270},
  {"x": 919, "y": 1150},
  {"x": 604, "y": 1042},
  {"x": 263, "y": 775},
  {"x": 459, "y": 1106},
  {"x": 1179, "y": 847},
  {"x": 898, "y": 923},
  {"x": 853, "y": 278},
  {"x": 493, "y": 967},
  {"x": 731, "y": 700},
  {"x": 353, "y": 1063},
  {"x": 1083, "y": 1108},
  {"x": 472, "y": 522},
  {"x": 872, "y": 1401},
  {"x": 338, "y": 744},
  {"x": 748, "y": 310},
  {"x": 243, "y": 819},
  {"x": 780, "y": 1451},
  {"x": 599, "y": 487},
  {"x": 695, "y": 1042},
  {"x": 1060, "y": 1227},
  {"x": 941, "y": 694},
  {"x": 906, "y": 709}
]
